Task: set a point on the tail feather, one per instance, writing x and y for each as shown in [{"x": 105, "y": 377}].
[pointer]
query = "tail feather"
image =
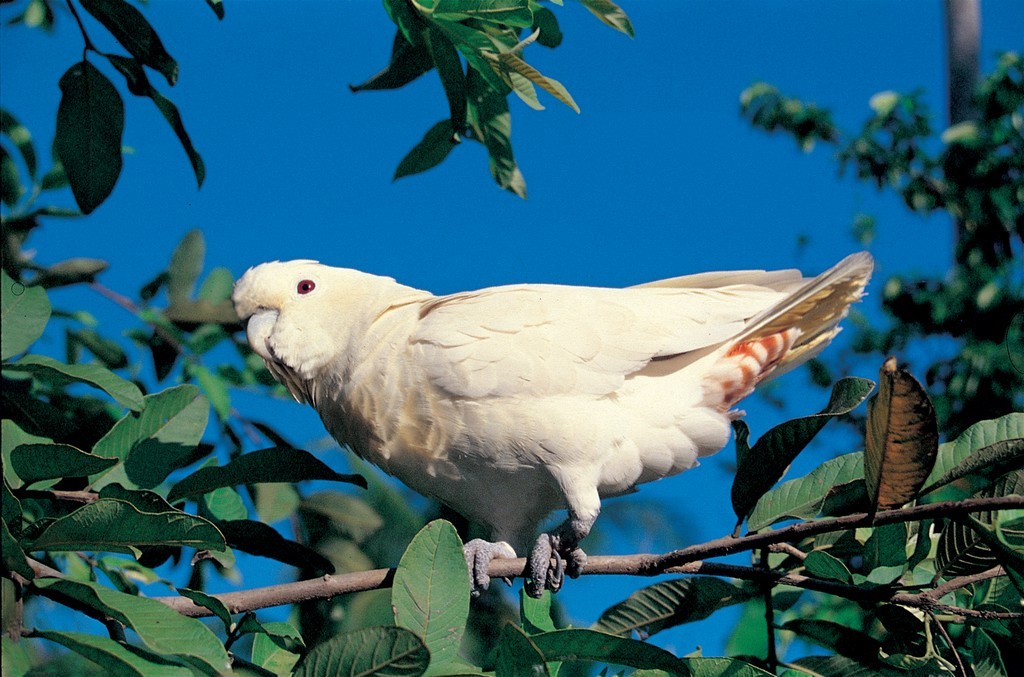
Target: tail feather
[
  {"x": 790, "y": 332},
  {"x": 815, "y": 310}
]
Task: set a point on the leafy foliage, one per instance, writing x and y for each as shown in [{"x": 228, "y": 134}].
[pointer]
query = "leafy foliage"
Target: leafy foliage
[
  {"x": 423, "y": 622},
  {"x": 114, "y": 473},
  {"x": 476, "y": 48},
  {"x": 977, "y": 177}
]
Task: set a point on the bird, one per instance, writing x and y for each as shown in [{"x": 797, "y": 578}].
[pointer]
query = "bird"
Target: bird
[{"x": 509, "y": 403}]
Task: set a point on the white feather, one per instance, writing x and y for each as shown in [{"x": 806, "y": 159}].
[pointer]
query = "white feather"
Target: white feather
[{"x": 510, "y": 402}]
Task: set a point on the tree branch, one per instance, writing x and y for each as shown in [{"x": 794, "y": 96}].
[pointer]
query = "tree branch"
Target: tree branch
[
  {"x": 89, "y": 46},
  {"x": 685, "y": 561},
  {"x": 129, "y": 305},
  {"x": 61, "y": 495},
  {"x": 961, "y": 670}
]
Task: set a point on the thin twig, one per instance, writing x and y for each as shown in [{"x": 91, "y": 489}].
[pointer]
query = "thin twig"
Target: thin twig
[
  {"x": 685, "y": 561},
  {"x": 89, "y": 46},
  {"x": 129, "y": 305},
  {"x": 788, "y": 549},
  {"x": 652, "y": 564},
  {"x": 771, "y": 657},
  {"x": 61, "y": 495},
  {"x": 961, "y": 670},
  {"x": 940, "y": 591}
]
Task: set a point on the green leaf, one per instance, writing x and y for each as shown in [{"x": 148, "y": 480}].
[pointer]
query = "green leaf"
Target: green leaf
[
  {"x": 823, "y": 565},
  {"x": 804, "y": 497},
  {"x": 70, "y": 271},
  {"x": 126, "y": 393},
  {"x": 980, "y": 541},
  {"x": 506, "y": 12},
  {"x": 885, "y": 553},
  {"x": 510, "y": 62},
  {"x": 275, "y": 464},
  {"x": 90, "y": 122},
  {"x": 145, "y": 501},
  {"x": 22, "y": 139},
  {"x": 224, "y": 504},
  {"x": 986, "y": 659},
  {"x": 991, "y": 461},
  {"x": 453, "y": 78},
  {"x": 257, "y": 538},
  {"x": 186, "y": 264},
  {"x": 161, "y": 629},
  {"x": 518, "y": 655},
  {"x": 219, "y": 609},
  {"x": 157, "y": 440},
  {"x": 535, "y": 613},
  {"x": 901, "y": 440},
  {"x": 410, "y": 23},
  {"x": 545, "y": 21},
  {"x": 763, "y": 465},
  {"x": 35, "y": 462},
  {"x": 476, "y": 43},
  {"x": 428, "y": 153},
  {"x": 669, "y": 603},
  {"x": 139, "y": 85},
  {"x": 610, "y": 14},
  {"x": 207, "y": 337},
  {"x": 408, "y": 62},
  {"x": 217, "y": 286},
  {"x": 115, "y": 658},
  {"x": 276, "y": 647},
  {"x": 24, "y": 312},
  {"x": 589, "y": 645},
  {"x": 13, "y": 555},
  {"x": 126, "y": 573},
  {"x": 274, "y": 502},
  {"x": 841, "y": 666},
  {"x": 11, "y": 436},
  {"x": 350, "y": 516},
  {"x": 719, "y": 667},
  {"x": 150, "y": 502},
  {"x": 394, "y": 652},
  {"x": 215, "y": 389},
  {"x": 113, "y": 525},
  {"x": 961, "y": 457},
  {"x": 11, "y": 189},
  {"x": 106, "y": 351},
  {"x": 217, "y": 6},
  {"x": 835, "y": 637},
  {"x": 131, "y": 29},
  {"x": 491, "y": 123},
  {"x": 12, "y": 511},
  {"x": 430, "y": 592}
]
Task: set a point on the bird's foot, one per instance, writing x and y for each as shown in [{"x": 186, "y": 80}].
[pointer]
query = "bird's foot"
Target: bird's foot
[
  {"x": 479, "y": 554},
  {"x": 545, "y": 574}
]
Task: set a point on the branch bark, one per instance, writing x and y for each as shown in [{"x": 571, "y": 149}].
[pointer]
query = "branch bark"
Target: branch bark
[{"x": 684, "y": 561}]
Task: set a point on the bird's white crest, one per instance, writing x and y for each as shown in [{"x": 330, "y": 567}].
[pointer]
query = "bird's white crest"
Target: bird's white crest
[{"x": 509, "y": 402}]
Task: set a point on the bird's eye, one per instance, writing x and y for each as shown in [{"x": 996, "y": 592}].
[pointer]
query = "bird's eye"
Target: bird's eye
[{"x": 306, "y": 286}]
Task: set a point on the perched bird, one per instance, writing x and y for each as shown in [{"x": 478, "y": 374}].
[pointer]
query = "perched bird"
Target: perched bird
[{"x": 511, "y": 402}]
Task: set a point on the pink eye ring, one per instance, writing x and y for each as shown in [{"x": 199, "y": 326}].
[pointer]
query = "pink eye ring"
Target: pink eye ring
[{"x": 305, "y": 286}]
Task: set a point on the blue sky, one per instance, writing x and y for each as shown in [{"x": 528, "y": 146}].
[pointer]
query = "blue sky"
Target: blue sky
[{"x": 658, "y": 176}]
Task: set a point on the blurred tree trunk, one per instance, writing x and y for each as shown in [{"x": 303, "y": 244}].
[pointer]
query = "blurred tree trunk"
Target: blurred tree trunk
[
  {"x": 963, "y": 44},
  {"x": 963, "y": 38}
]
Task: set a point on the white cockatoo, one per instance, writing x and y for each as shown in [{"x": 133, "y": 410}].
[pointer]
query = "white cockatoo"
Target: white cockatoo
[{"x": 511, "y": 402}]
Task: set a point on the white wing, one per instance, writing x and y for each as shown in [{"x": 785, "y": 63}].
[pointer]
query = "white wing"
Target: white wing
[{"x": 539, "y": 340}]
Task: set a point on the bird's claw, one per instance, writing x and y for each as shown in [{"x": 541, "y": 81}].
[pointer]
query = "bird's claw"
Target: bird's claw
[
  {"x": 479, "y": 554},
  {"x": 545, "y": 574}
]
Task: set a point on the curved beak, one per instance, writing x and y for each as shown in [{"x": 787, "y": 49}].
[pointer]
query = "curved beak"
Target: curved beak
[{"x": 258, "y": 331}]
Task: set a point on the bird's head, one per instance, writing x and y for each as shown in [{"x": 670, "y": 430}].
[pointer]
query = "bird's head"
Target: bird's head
[{"x": 301, "y": 315}]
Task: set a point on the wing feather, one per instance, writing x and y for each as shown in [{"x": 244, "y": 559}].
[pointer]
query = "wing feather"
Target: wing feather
[{"x": 538, "y": 340}]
